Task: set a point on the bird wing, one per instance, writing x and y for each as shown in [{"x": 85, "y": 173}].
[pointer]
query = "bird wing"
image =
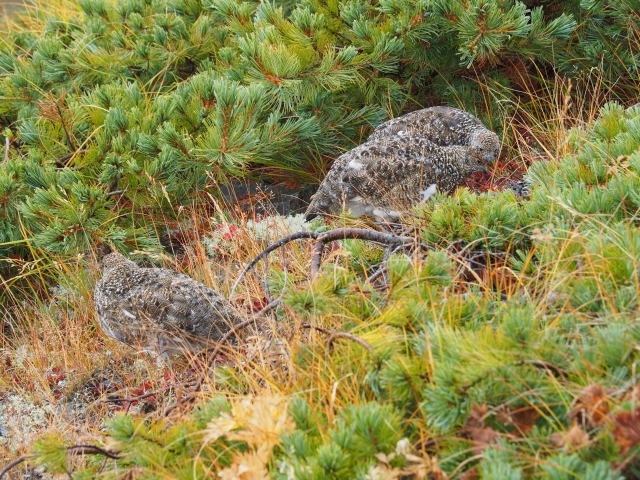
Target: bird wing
[
  {"x": 374, "y": 168},
  {"x": 441, "y": 125},
  {"x": 382, "y": 128},
  {"x": 393, "y": 126},
  {"x": 177, "y": 303}
]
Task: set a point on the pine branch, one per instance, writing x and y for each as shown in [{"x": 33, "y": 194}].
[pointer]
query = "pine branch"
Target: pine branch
[
  {"x": 61, "y": 162},
  {"x": 67, "y": 133}
]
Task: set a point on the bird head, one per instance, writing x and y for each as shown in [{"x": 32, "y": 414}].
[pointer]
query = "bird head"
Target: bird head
[
  {"x": 114, "y": 260},
  {"x": 475, "y": 162},
  {"x": 487, "y": 144}
]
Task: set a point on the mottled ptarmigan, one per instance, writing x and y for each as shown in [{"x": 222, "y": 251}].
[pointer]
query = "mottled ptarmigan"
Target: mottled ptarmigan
[
  {"x": 158, "y": 309},
  {"x": 404, "y": 161}
]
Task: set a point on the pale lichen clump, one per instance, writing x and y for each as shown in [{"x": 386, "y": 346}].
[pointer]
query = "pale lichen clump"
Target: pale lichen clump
[
  {"x": 222, "y": 240},
  {"x": 21, "y": 421},
  {"x": 271, "y": 228}
]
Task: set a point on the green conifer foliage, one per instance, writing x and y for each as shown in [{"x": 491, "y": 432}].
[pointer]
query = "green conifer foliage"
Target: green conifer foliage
[{"x": 140, "y": 106}]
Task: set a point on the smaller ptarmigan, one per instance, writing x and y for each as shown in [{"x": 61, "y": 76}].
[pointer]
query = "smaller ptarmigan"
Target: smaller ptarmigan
[
  {"x": 158, "y": 309},
  {"x": 404, "y": 161}
]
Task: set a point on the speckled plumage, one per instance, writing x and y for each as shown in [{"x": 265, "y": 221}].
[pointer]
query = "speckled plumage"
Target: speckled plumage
[
  {"x": 522, "y": 189},
  {"x": 444, "y": 126},
  {"x": 159, "y": 310},
  {"x": 404, "y": 161}
]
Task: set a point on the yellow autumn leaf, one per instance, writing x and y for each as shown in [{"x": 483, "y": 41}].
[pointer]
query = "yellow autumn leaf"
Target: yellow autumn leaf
[
  {"x": 219, "y": 427},
  {"x": 246, "y": 466},
  {"x": 261, "y": 420}
]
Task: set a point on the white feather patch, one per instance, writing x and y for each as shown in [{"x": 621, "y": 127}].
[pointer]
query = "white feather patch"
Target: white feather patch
[
  {"x": 429, "y": 192},
  {"x": 355, "y": 165},
  {"x": 358, "y": 207},
  {"x": 385, "y": 215}
]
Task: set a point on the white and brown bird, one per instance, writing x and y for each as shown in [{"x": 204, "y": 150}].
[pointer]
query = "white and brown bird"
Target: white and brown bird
[
  {"x": 158, "y": 309},
  {"x": 404, "y": 161}
]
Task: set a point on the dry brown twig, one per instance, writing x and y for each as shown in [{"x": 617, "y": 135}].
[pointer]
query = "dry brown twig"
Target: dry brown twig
[
  {"x": 74, "y": 449},
  {"x": 374, "y": 236},
  {"x": 143, "y": 396},
  {"x": 381, "y": 271},
  {"x": 322, "y": 239},
  {"x": 6, "y": 149},
  {"x": 334, "y": 335},
  {"x": 279, "y": 244}
]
